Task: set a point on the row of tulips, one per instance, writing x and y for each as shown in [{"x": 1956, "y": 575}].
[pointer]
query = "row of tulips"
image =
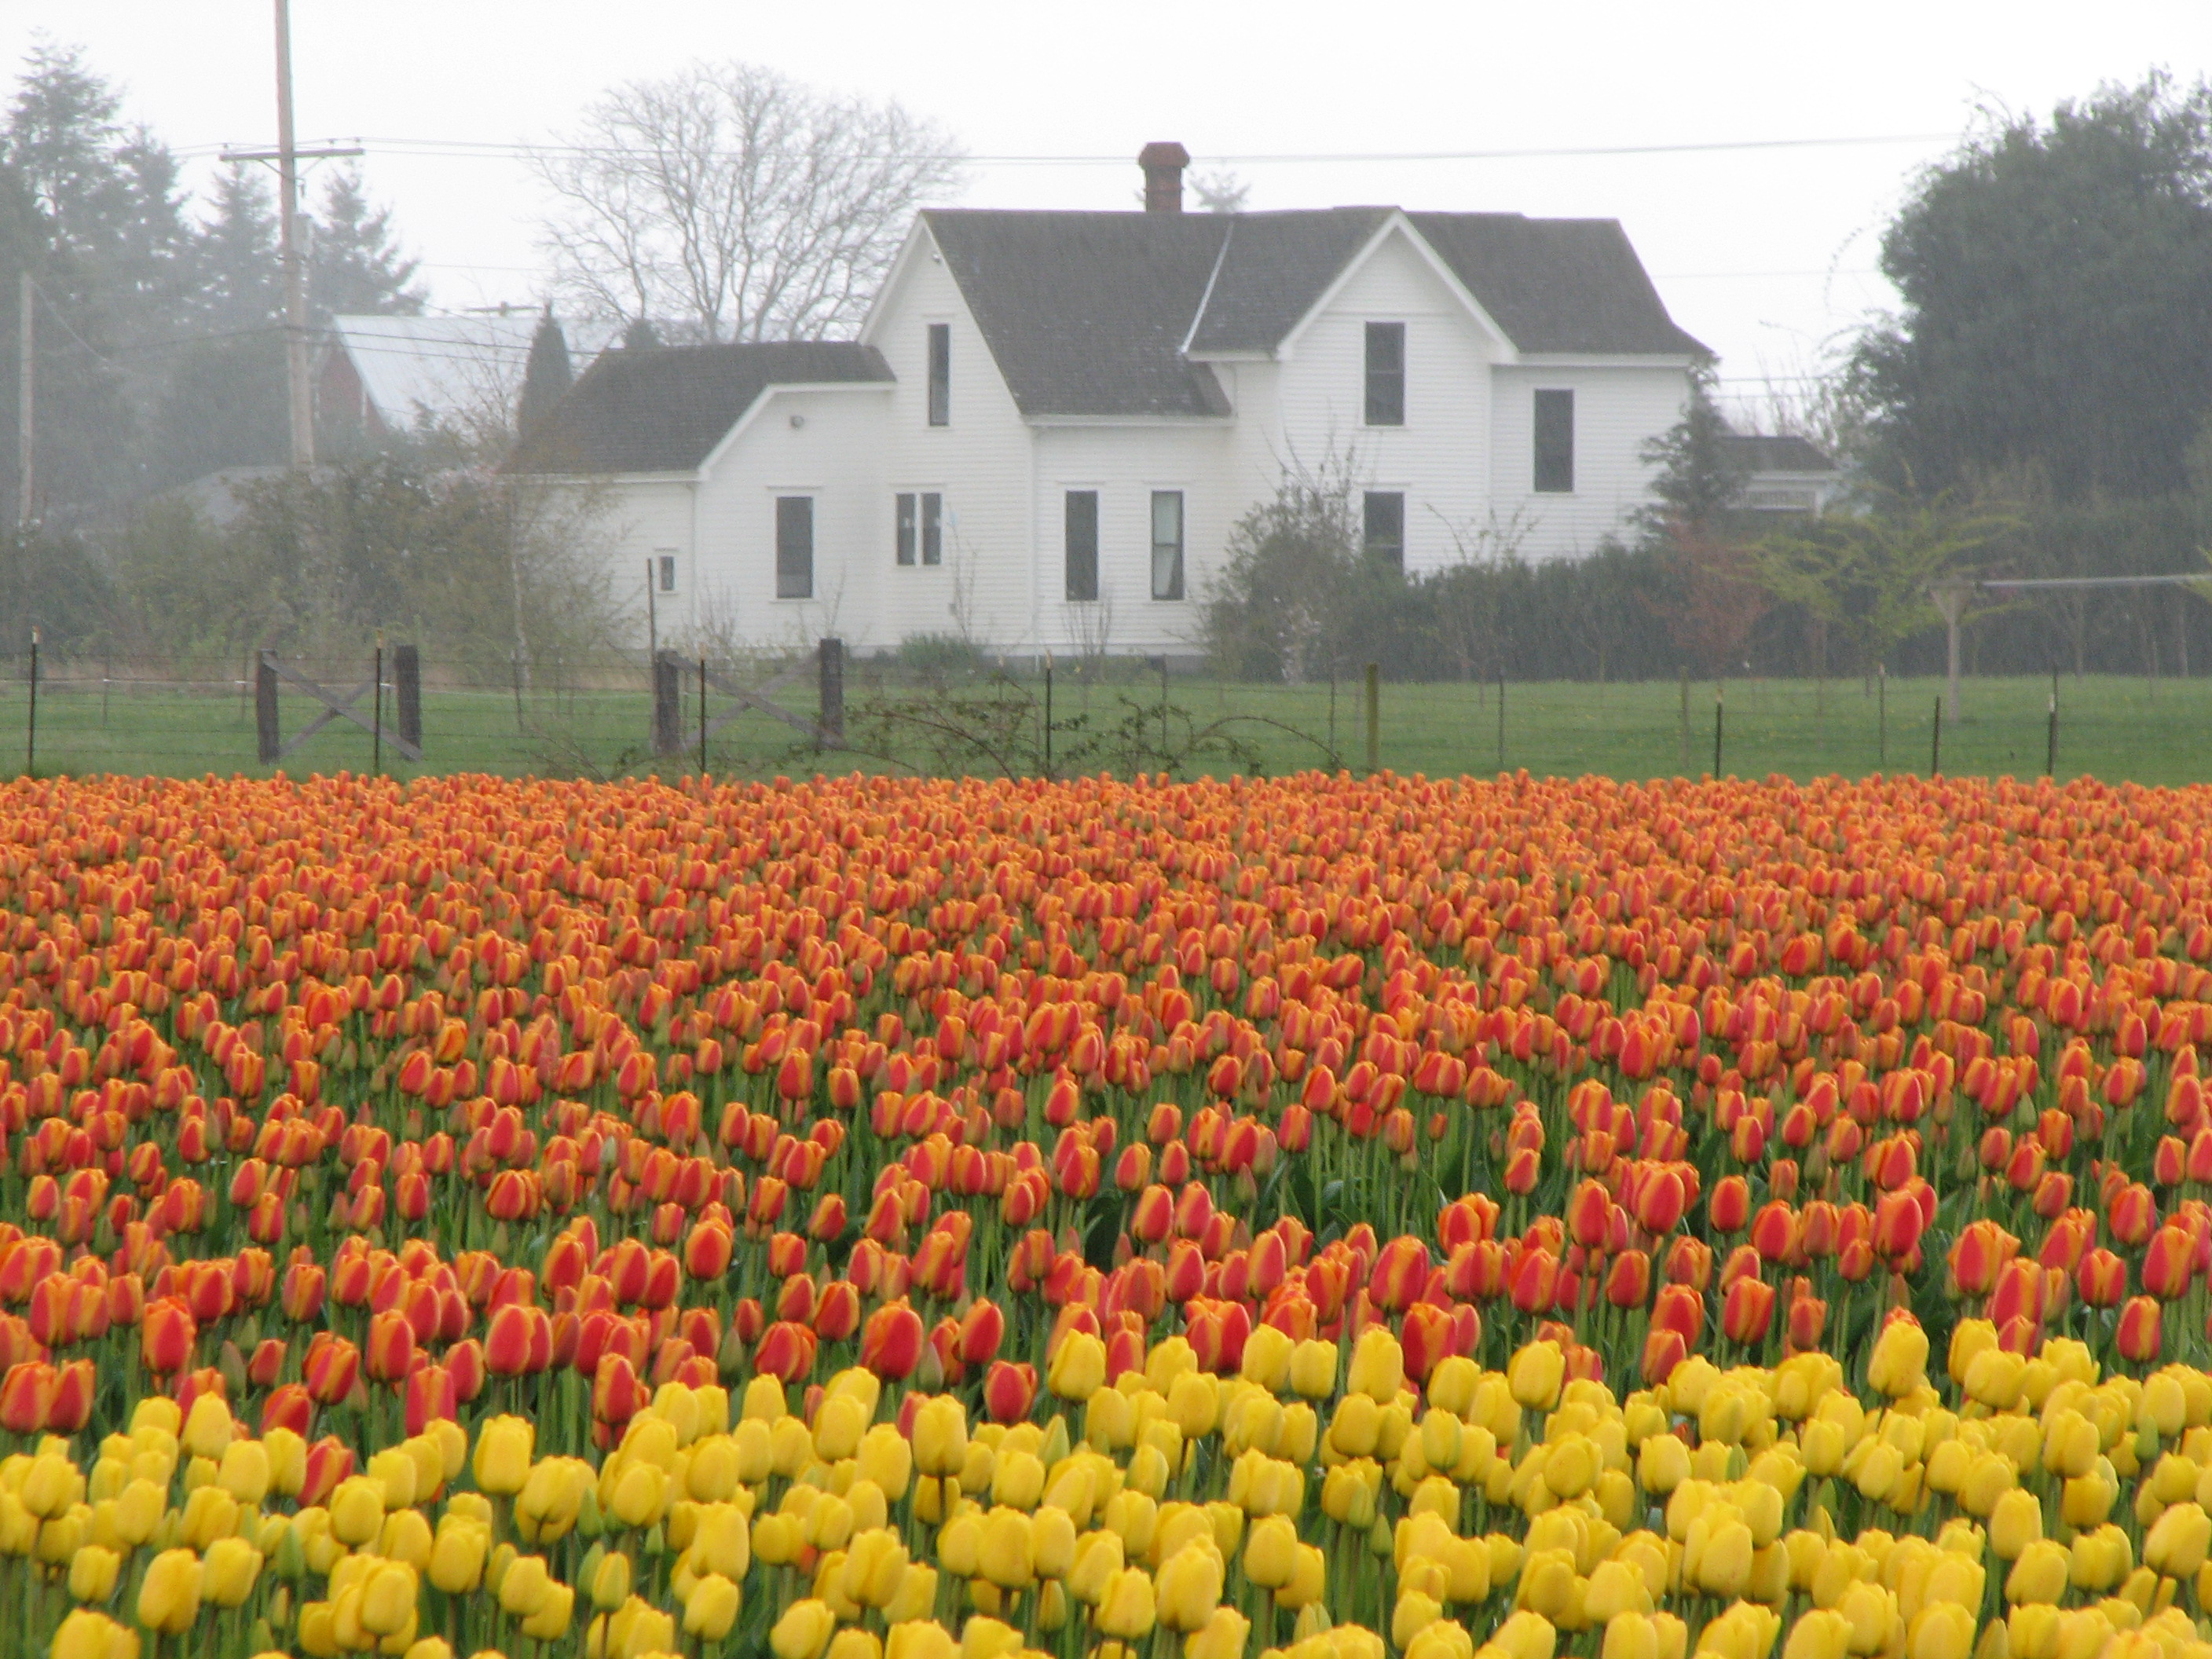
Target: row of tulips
[
  {"x": 1313, "y": 1503},
  {"x": 379, "y": 1112}
]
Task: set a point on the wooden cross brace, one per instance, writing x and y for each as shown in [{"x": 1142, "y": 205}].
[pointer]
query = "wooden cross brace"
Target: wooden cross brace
[
  {"x": 338, "y": 706},
  {"x": 757, "y": 697}
]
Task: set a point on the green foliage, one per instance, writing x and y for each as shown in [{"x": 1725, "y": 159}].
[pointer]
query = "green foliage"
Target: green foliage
[
  {"x": 1291, "y": 564},
  {"x": 1698, "y": 478},
  {"x": 1866, "y": 576},
  {"x": 50, "y": 579},
  {"x": 446, "y": 558},
  {"x": 2056, "y": 278}
]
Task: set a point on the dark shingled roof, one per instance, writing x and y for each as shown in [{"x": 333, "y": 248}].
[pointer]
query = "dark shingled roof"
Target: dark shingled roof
[
  {"x": 664, "y": 410},
  {"x": 1781, "y": 452},
  {"x": 1086, "y": 312},
  {"x": 1572, "y": 285}
]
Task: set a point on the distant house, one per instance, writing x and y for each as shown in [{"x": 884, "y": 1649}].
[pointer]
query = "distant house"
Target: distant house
[
  {"x": 388, "y": 375},
  {"x": 1051, "y": 421},
  {"x": 1784, "y": 473}
]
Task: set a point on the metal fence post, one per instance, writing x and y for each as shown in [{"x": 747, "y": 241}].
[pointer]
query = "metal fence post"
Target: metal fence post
[
  {"x": 407, "y": 691},
  {"x": 267, "y": 740},
  {"x": 1717, "y": 702},
  {"x": 31, "y": 730},
  {"x": 830, "y": 654},
  {"x": 1374, "y": 717}
]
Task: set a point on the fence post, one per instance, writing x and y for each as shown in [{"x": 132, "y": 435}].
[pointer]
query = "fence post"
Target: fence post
[
  {"x": 31, "y": 731},
  {"x": 1935, "y": 743},
  {"x": 1501, "y": 716},
  {"x": 1374, "y": 718},
  {"x": 376, "y": 703},
  {"x": 1686, "y": 720},
  {"x": 407, "y": 690},
  {"x": 702, "y": 717},
  {"x": 266, "y": 739},
  {"x": 2051, "y": 743},
  {"x": 667, "y": 720},
  {"x": 1718, "y": 697},
  {"x": 830, "y": 655},
  {"x": 1047, "y": 716}
]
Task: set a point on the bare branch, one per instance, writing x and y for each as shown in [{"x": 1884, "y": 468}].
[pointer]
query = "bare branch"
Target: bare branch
[{"x": 732, "y": 201}]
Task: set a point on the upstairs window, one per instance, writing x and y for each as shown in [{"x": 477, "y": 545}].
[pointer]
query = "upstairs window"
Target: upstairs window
[
  {"x": 940, "y": 374},
  {"x": 921, "y": 527},
  {"x": 1383, "y": 526},
  {"x": 794, "y": 547},
  {"x": 1386, "y": 375},
  {"x": 1167, "y": 544},
  {"x": 665, "y": 572},
  {"x": 1082, "y": 544},
  {"x": 1555, "y": 443}
]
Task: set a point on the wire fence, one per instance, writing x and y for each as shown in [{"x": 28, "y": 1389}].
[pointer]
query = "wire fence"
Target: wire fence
[{"x": 611, "y": 715}]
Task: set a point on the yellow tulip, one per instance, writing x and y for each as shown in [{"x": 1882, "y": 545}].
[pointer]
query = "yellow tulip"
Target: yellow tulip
[
  {"x": 555, "y": 1609},
  {"x": 1535, "y": 1374},
  {"x": 1078, "y": 1367},
  {"x": 457, "y": 1554},
  {"x": 1126, "y": 1607},
  {"x": 228, "y": 1572},
  {"x": 1188, "y": 1586},
  {"x": 93, "y": 1571},
  {"x": 1004, "y": 1552},
  {"x": 169, "y": 1596},
  {"x": 1899, "y": 1361},
  {"x": 989, "y": 1639},
  {"x": 804, "y": 1630},
  {"x": 524, "y": 1585},
  {"x": 1312, "y": 1369},
  {"x": 387, "y": 1599},
  {"x": 357, "y": 1511},
  {"x": 712, "y": 1609},
  {"x": 504, "y": 1446},
  {"x": 88, "y": 1635},
  {"x": 2178, "y": 1541}
]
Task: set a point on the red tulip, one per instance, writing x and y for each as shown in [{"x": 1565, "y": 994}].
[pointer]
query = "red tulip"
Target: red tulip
[
  {"x": 2137, "y": 1336},
  {"x": 1628, "y": 1280},
  {"x": 1728, "y": 1209},
  {"x": 332, "y": 1365},
  {"x": 983, "y": 1328},
  {"x": 1663, "y": 1350},
  {"x": 27, "y": 1393},
  {"x": 616, "y": 1394},
  {"x": 1402, "y": 1273},
  {"x": 2169, "y": 1261},
  {"x": 390, "y": 1350},
  {"x": 786, "y": 1351},
  {"x": 1009, "y": 1390},
  {"x": 166, "y": 1336},
  {"x": 891, "y": 1342},
  {"x": 1747, "y": 1311},
  {"x": 2101, "y": 1278},
  {"x": 329, "y": 1462},
  {"x": 430, "y": 1397}
]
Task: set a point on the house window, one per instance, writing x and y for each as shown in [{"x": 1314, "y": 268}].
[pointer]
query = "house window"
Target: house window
[
  {"x": 794, "y": 547},
  {"x": 1555, "y": 443},
  {"x": 920, "y": 526},
  {"x": 1383, "y": 526},
  {"x": 940, "y": 374},
  {"x": 1386, "y": 375},
  {"x": 1082, "y": 542},
  {"x": 1167, "y": 544},
  {"x": 664, "y": 567}
]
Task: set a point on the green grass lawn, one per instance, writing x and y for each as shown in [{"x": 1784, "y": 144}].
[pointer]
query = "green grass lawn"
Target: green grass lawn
[{"x": 2152, "y": 732}]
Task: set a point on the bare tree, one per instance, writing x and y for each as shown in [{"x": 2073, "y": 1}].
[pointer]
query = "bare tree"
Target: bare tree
[{"x": 733, "y": 200}]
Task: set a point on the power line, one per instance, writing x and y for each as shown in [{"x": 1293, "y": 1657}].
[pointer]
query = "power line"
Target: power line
[{"x": 486, "y": 150}]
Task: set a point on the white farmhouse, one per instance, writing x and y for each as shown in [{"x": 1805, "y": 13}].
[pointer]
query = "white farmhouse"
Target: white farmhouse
[{"x": 1051, "y": 421}]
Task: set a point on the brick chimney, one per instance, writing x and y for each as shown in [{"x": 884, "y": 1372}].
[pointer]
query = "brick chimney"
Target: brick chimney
[{"x": 1163, "y": 163}]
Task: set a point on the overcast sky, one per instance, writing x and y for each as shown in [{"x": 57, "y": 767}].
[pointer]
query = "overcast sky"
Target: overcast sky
[{"x": 1767, "y": 254}]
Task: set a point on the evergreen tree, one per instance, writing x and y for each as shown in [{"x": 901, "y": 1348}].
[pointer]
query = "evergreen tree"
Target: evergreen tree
[
  {"x": 354, "y": 265},
  {"x": 546, "y": 376},
  {"x": 1698, "y": 478},
  {"x": 640, "y": 336}
]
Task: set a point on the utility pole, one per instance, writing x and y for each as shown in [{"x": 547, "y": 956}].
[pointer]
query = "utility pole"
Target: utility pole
[
  {"x": 295, "y": 283},
  {"x": 288, "y": 155},
  {"x": 26, "y": 400}
]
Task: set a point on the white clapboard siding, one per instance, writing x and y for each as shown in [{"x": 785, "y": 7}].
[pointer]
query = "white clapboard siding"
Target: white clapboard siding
[
  {"x": 1617, "y": 411},
  {"x": 1438, "y": 459}
]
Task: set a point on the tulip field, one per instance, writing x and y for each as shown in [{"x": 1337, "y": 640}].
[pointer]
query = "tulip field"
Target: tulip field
[{"x": 870, "y": 1219}]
